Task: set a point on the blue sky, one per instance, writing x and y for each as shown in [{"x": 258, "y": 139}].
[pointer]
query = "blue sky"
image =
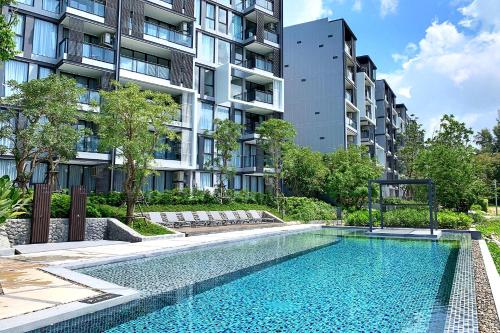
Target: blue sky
[{"x": 438, "y": 55}]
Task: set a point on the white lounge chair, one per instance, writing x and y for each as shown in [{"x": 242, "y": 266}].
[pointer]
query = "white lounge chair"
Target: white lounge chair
[
  {"x": 155, "y": 217},
  {"x": 259, "y": 216},
  {"x": 173, "y": 219},
  {"x": 244, "y": 216},
  {"x": 189, "y": 219},
  {"x": 218, "y": 218},
  {"x": 204, "y": 218},
  {"x": 231, "y": 218}
]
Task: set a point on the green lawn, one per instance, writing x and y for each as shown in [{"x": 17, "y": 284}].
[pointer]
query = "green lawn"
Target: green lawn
[
  {"x": 488, "y": 228},
  {"x": 149, "y": 229}
]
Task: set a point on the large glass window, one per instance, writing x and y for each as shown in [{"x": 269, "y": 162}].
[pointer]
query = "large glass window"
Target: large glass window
[
  {"x": 238, "y": 55},
  {"x": 17, "y": 71},
  {"x": 44, "y": 72},
  {"x": 210, "y": 17},
  {"x": 206, "y": 117},
  {"x": 237, "y": 23},
  {"x": 44, "y": 39},
  {"x": 208, "y": 152},
  {"x": 197, "y": 11},
  {"x": 209, "y": 82},
  {"x": 237, "y": 182},
  {"x": 222, "y": 113},
  {"x": 207, "y": 50},
  {"x": 224, "y": 53},
  {"x": 8, "y": 168},
  {"x": 223, "y": 21},
  {"x": 26, "y": 2},
  {"x": 206, "y": 180},
  {"x": 19, "y": 32},
  {"x": 51, "y": 5}
]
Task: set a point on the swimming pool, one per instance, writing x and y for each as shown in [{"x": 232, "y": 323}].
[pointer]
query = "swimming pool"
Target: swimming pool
[{"x": 320, "y": 281}]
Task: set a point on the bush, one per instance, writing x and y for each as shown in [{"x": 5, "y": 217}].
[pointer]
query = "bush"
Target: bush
[
  {"x": 453, "y": 220},
  {"x": 476, "y": 208},
  {"x": 484, "y": 205},
  {"x": 306, "y": 209},
  {"x": 118, "y": 213},
  {"x": 115, "y": 199},
  {"x": 12, "y": 203},
  {"x": 407, "y": 218},
  {"x": 60, "y": 205},
  {"x": 361, "y": 218},
  {"x": 146, "y": 228},
  {"x": 478, "y": 216}
]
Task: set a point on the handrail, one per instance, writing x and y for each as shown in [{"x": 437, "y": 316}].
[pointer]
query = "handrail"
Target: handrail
[
  {"x": 146, "y": 68},
  {"x": 167, "y": 34}
]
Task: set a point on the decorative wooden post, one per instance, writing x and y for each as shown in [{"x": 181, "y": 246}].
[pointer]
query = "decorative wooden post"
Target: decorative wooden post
[
  {"x": 41, "y": 214},
  {"x": 77, "y": 214}
]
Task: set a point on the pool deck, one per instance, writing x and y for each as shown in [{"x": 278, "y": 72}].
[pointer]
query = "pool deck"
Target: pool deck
[{"x": 39, "y": 288}]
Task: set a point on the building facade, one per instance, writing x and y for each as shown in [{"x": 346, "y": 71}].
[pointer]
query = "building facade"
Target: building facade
[
  {"x": 218, "y": 59},
  {"x": 320, "y": 71}
]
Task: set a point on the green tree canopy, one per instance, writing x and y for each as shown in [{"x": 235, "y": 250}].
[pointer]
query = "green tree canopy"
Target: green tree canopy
[
  {"x": 274, "y": 136},
  {"x": 304, "y": 171},
  {"x": 226, "y": 136},
  {"x": 7, "y": 23},
  {"x": 485, "y": 141},
  {"x": 349, "y": 172},
  {"x": 135, "y": 122}
]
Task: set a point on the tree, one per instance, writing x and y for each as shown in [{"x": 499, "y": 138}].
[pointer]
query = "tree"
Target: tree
[
  {"x": 349, "y": 172},
  {"x": 484, "y": 139},
  {"x": 226, "y": 136},
  {"x": 38, "y": 124},
  {"x": 135, "y": 122},
  {"x": 412, "y": 142},
  {"x": 304, "y": 171},
  {"x": 274, "y": 136},
  {"x": 7, "y": 42},
  {"x": 496, "y": 133},
  {"x": 449, "y": 160}
]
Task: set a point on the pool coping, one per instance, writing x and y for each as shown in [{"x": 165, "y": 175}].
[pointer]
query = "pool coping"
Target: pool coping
[{"x": 492, "y": 273}]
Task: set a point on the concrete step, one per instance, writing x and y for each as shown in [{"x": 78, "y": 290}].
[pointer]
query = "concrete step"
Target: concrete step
[
  {"x": 405, "y": 233},
  {"x": 35, "y": 248}
]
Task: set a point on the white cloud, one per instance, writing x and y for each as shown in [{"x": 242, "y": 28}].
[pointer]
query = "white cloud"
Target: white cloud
[
  {"x": 388, "y": 7},
  {"x": 300, "y": 11},
  {"x": 357, "y": 6},
  {"x": 453, "y": 71},
  {"x": 482, "y": 13}
]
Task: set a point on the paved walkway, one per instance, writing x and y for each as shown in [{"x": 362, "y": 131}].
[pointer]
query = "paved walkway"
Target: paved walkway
[{"x": 27, "y": 288}]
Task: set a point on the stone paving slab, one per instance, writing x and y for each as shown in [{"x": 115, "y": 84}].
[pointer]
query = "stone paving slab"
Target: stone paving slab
[
  {"x": 46, "y": 247},
  {"x": 27, "y": 288}
]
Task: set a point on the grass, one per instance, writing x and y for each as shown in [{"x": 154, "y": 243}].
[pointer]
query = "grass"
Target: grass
[
  {"x": 488, "y": 228},
  {"x": 149, "y": 229}
]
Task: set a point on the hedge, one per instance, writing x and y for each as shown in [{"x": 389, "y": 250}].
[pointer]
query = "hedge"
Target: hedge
[{"x": 306, "y": 209}]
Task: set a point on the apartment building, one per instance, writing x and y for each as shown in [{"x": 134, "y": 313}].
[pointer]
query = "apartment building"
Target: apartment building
[
  {"x": 218, "y": 59},
  {"x": 322, "y": 84}
]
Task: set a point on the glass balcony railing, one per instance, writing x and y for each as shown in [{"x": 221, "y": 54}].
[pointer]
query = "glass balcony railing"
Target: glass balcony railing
[
  {"x": 88, "y": 144},
  {"x": 89, "y": 6},
  {"x": 250, "y": 128},
  {"x": 168, "y": 34},
  {"x": 259, "y": 63},
  {"x": 351, "y": 122},
  {"x": 256, "y": 96},
  {"x": 265, "y": 4},
  {"x": 146, "y": 68},
  {"x": 98, "y": 53},
  {"x": 90, "y": 97},
  {"x": 349, "y": 97},
  {"x": 271, "y": 36},
  {"x": 250, "y": 161}
]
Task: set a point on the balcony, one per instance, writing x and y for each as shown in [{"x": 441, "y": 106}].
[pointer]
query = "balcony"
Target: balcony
[
  {"x": 271, "y": 36},
  {"x": 270, "y": 41},
  {"x": 259, "y": 63},
  {"x": 89, "y": 9},
  {"x": 145, "y": 68},
  {"x": 256, "y": 96},
  {"x": 351, "y": 123},
  {"x": 167, "y": 34},
  {"x": 250, "y": 161},
  {"x": 93, "y": 55},
  {"x": 264, "y": 5},
  {"x": 88, "y": 144}
]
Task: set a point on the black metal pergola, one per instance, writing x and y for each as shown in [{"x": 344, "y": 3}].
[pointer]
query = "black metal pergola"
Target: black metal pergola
[{"x": 381, "y": 183}]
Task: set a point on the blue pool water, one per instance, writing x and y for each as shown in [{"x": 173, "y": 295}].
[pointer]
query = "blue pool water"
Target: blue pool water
[{"x": 339, "y": 284}]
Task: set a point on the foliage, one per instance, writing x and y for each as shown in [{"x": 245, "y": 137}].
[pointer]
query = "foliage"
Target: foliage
[
  {"x": 146, "y": 228},
  {"x": 60, "y": 205},
  {"x": 304, "y": 171},
  {"x": 484, "y": 205},
  {"x": 449, "y": 161},
  {"x": 495, "y": 253},
  {"x": 7, "y": 42},
  {"x": 452, "y": 220},
  {"x": 113, "y": 198},
  {"x": 476, "y": 208},
  {"x": 12, "y": 202},
  {"x": 118, "y": 213},
  {"x": 489, "y": 169},
  {"x": 361, "y": 218},
  {"x": 306, "y": 209},
  {"x": 412, "y": 142},
  {"x": 484, "y": 139},
  {"x": 134, "y": 121},
  {"x": 39, "y": 124},
  {"x": 274, "y": 137},
  {"x": 226, "y": 136},
  {"x": 349, "y": 172}
]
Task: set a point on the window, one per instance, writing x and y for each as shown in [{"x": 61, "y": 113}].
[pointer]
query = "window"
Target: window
[
  {"x": 238, "y": 55},
  {"x": 17, "y": 71},
  {"x": 44, "y": 72},
  {"x": 208, "y": 152},
  {"x": 26, "y": 2},
  {"x": 237, "y": 22},
  {"x": 206, "y": 180},
  {"x": 19, "y": 32},
  {"x": 209, "y": 89},
  {"x": 210, "y": 18},
  {"x": 224, "y": 53},
  {"x": 223, "y": 21},
  {"x": 238, "y": 116},
  {"x": 207, "y": 48},
  {"x": 237, "y": 182},
  {"x": 51, "y": 5},
  {"x": 206, "y": 117},
  {"x": 222, "y": 113},
  {"x": 44, "y": 39},
  {"x": 8, "y": 167},
  {"x": 197, "y": 11}
]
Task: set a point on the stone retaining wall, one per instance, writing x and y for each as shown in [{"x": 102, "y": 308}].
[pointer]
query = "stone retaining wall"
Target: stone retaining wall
[{"x": 18, "y": 232}]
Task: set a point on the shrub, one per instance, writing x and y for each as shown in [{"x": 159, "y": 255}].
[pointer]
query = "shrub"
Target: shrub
[
  {"x": 146, "y": 228},
  {"x": 306, "y": 209},
  {"x": 484, "y": 205},
  {"x": 361, "y": 218},
  {"x": 112, "y": 212},
  {"x": 478, "y": 216},
  {"x": 407, "y": 218},
  {"x": 476, "y": 208},
  {"x": 453, "y": 220},
  {"x": 60, "y": 205},
  {"x": 115, "y": 199},
  {"x": 12, "y": 202}
]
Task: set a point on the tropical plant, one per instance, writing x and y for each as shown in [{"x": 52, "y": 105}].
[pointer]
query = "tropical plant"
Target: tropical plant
[
  {"x": 13, "y": 203},
  {"x": 135, "y": 123}
]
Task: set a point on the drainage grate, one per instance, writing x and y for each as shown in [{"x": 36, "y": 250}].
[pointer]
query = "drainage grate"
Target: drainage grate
[{"x": 99, "y": 298}]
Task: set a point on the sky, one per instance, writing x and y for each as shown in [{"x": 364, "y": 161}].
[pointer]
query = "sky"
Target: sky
[{"x": 439, "y": 56}]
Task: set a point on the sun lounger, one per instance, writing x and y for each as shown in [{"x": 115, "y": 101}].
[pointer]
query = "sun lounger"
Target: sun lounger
[
  {"x": 204, "y": 218},
  {"x": 173, "y": 219},
  {"x": 155, "y": 217},
  {"x": 232, "y": 218},
  {"x": 219, "y": 218},
  {"x": 258, "y": 216},
  {"x": 189, "y": 219},
  {"x": 244, "y": 216}
]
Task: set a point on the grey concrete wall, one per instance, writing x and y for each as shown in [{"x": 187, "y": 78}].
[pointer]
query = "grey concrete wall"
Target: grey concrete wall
[{"x": 314, "y": 89}]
